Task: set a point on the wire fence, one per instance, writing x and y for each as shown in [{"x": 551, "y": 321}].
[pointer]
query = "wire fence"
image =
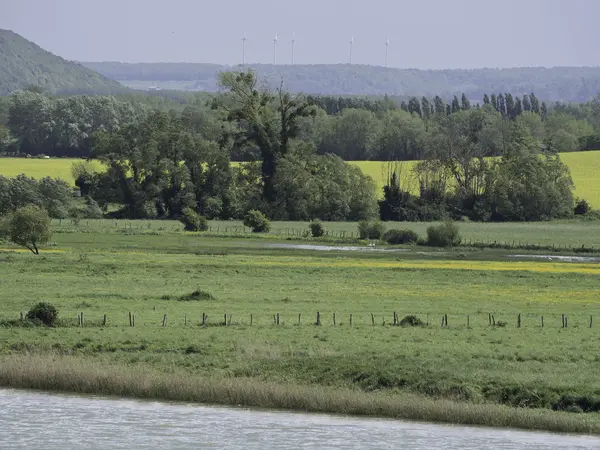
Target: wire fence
[{"x": 318, "y": 319}]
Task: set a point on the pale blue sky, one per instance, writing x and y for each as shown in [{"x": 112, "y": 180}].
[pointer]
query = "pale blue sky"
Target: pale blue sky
[{"x": 423, "y": 33}]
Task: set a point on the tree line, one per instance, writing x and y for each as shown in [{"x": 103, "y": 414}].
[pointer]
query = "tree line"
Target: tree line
[
  {"x": 161, "y": 163},
  {"x": 354, "y": 128}
]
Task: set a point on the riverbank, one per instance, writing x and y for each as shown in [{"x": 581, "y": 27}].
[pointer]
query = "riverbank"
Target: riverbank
[{"x": 80, "y": 375}]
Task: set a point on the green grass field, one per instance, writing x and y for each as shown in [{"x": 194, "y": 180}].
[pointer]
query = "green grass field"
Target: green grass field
[
  {"x": 98, "y": 270},
  {"x": 584, "y": 166}
]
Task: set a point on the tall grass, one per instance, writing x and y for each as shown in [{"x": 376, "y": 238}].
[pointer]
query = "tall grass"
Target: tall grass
[{"x": 78, "y": 375}]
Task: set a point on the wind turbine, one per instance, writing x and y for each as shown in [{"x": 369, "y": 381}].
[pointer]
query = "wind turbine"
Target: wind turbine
[
  {"x": 293, "y": 43},
  {"x": 275, "y": 39},
  {"x": 387, "y": 44},
  {"x": 351, "y": 44},
  {"x": 244, "y": 50}
]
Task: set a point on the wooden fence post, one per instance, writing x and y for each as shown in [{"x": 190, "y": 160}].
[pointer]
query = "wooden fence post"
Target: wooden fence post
[
  {"x": 82, "y": 319},
  {"x": 566, "y": 322},
  {"x": 334, "y": 319},
  {"x": 350, "y": 319},
  {"x": 542, "y": 321},
  {"x": 318, "y": 318},
  {"x": 230, "y": 318},
  {"x": 372, "y": 319},
  {"x": 519, "y": 321},
  {"x": 468, "y": 321},
  {"x": 21, "y": 317},
  {"x": 250, "y": 319},
  {"x": 490, "y": 318},
  {"x": 225, "y": 319},
  {"x": 164, "y": 324},
  {"x": 427, "y": 323},
  {"x": 104, "y": 320},
  {"x": 446, "y": 319},
  {"x": 493, "y": 320},
  {"x": 130, "y": 319},
  {"x": 395, "y": 319},
  {"x": 185, "y": 319},
  {"x": 277, "y": 318},
  {"x": 590, "y": 321},
  {"x": 203, "y": 319}
]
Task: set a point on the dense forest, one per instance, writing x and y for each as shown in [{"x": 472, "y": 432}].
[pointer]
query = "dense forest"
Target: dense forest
[
  {"x": 165, "y": 157},
  {"x": 23, "y": 64},
  {"x": 565, "y": 84}
]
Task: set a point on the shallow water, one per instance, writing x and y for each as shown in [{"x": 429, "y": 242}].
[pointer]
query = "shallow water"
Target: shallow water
[
  {"x": 340, "y": 248},
  {"x": 35, "y": 420},
  {"x": 558, "y": 258}
]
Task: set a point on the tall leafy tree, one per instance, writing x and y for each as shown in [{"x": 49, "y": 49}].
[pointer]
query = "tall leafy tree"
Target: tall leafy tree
[
  {"x": 535, "y": 103},
  {"x": 425, "y": 108},
  {"x": 486, "y": 99},
  {"x": 494, "y": 101},
  {"x": 266, "y": 120},
  {"x": 465, "y": 104},
  {"x": 543, "y": 110},
  {"x": 414, "y": 107},
  {"x": 518, "y": 107},
  {"x": 440, "y": 106},
  {"x": 510, "y": 105},
  {"x": 455, "y": 104},
  {"x": 526, "y": 103}
]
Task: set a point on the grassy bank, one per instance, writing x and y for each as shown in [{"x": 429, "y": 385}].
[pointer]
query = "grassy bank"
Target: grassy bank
[
  {"x": 515, "y": 362},
  {"x": 71, "y": 374}
]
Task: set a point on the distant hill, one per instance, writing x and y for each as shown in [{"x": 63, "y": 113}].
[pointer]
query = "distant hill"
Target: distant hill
[
  {"x": 24, "y": 64},
  {"x": 570, "y": 84}
]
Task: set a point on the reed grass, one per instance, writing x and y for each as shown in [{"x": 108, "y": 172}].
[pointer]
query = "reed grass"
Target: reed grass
[{"x": 79, "y": 375}]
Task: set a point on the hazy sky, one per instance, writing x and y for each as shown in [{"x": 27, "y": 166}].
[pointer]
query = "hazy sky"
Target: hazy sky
[{"x": 423, "y": 33}]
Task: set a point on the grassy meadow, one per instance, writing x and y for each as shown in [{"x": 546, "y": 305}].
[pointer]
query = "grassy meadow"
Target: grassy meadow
[
  {"x": 584, "y": 167},
  {"x": 153, "y": 270}
]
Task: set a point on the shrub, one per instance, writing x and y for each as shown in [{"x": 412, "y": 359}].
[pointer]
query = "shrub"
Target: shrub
[
  {"x": 192, "y": 221},
  {"x": 197, "y": 295},
  {"x": 411, "y": 321},
  {"x": 43, "y": 313},
  {"x": 257, "y": 221},
  {"x": 368, "y": 229},
  {"x": 92, "y": 210},
  {"x": 401, "y": 237},
  {"x": 316, "y": 228},
  {"x": 581, "y": 208},
  {"x": 443, "y": 235}
]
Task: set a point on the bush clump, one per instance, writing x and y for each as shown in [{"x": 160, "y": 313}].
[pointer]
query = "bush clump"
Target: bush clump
[
  {"x": 411, "y": 321},
  {"x": 395, "y": 237},
  {"x": 370, "y": 229},
  {"x": 257, "y": 221},
  {"x": 197, "y": 295},
  {"x": 316, "y": 228},
  {"x": 192, "y": 221},
  {"x": 581, "y": 208},
  {"x": 443, "y": 235},
  {"x": 43, "y": 313}
]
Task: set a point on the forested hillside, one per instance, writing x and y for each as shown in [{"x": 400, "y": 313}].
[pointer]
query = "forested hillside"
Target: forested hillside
[
  {"x": 24, "y": 64},
  {"x": 568, "y": 84}
]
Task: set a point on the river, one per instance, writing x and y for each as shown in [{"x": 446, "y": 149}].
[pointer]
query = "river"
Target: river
[{"x": 35, "y": 420}]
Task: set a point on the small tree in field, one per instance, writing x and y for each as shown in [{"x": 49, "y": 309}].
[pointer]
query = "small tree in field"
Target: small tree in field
[{"x": 29, "y": 226}]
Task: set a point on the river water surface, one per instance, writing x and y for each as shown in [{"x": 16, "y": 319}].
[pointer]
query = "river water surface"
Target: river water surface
[{"x": 36, "y": 420}]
